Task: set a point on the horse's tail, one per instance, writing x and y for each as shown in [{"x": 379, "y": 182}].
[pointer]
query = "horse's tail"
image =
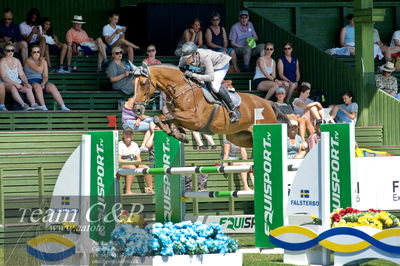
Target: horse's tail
[{"x": 280, "y": 116}]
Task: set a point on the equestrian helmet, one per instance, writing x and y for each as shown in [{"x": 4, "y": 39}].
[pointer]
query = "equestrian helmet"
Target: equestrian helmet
[{"x": 188, "y": 49}]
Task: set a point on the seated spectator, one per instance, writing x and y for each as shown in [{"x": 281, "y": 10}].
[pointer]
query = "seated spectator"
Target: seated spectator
[
  {"x": 230, "y": 152},
  {"x": 128, "y": 152},
  {"x": 243, "y": 39},
  {"x": 118, "y": 72},
  {"x": 314, "y": 138},
  {"x": 55, "y": 47},
  {"x": 77, "y": 39},
  {"x": 13, "y": 75},
  {"x": 289, "y": 70},
  {"x": 31, "y": 30},
  {"x": 303, "y": 122},
  {"x": 151, "y": 56},
  {"x": 114, "y": 35},
  {"x": 394, "y": 47},
  {"x": 38, "y": 76},
  {"x": 138, "y": 123},
  {"x": 217, "y": 40},
  {"x": 265, "y": 77},
  {"x": 294, "y": 143},
  {"x": 199, "y": 142},
  {"x": 304, "y": 106},
  {"x": 346, "y": 39},
  {"x": 193, "y": 34},
  {"x": 347, "y": 112},
  {"x": 379, "y": 47},
  {"x": 10, "y": 34},
  {"x": 386, "y": 81},
  {"x": 2, "y": 96}
]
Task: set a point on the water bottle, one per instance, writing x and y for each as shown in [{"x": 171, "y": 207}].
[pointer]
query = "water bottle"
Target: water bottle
[{"x": 154, "y": 106}]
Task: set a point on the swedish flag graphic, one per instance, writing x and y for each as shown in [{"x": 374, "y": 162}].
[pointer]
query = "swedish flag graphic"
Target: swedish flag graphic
[
  {"x": 65, "y": 200},
  {"x": 304, "y": 193}
]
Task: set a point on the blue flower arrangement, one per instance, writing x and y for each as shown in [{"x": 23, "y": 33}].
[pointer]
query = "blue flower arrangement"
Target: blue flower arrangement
[{"x": 185, "y": 238}]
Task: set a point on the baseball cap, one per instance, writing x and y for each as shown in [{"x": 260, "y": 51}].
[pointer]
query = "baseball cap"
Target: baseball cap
[
  {"x": 128, "y": 130},
  {"x": 243, "y": 13},
  {"x": 280, "y": 90}
]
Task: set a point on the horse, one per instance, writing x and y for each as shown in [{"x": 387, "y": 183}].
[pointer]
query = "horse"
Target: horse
[{"x": 189, "y": 109}]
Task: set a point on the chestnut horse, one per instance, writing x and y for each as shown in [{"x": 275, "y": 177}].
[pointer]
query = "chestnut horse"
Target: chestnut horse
[{"x": 189, "y": 109}]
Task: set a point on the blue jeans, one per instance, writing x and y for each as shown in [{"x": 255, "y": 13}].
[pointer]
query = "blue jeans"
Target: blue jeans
[{"x": 143, "y": 126}]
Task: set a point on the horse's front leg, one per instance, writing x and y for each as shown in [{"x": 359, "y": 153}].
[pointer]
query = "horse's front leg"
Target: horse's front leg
[
  {"x": 163, "y": 123},
  {"x": 178, "y": 132}
]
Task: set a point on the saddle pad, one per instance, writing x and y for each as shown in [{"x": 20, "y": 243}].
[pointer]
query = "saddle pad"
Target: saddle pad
[{"x": 236, "y": 99}]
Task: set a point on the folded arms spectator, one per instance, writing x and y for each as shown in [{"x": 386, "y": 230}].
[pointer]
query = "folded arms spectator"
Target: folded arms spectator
[{"x": 386, "y": 81}]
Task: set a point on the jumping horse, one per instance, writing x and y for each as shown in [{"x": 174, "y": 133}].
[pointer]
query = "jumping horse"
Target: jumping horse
[{"x": 189, "y": 109}]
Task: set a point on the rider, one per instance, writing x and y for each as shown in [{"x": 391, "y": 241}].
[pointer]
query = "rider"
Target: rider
[{"x": 215, "y": 67}]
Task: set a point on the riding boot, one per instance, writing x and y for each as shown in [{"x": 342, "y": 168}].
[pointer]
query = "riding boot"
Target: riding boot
[{"x": 234, "y": 113}]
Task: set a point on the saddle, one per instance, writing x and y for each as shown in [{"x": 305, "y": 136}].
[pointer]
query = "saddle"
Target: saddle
[{"x": 211, "y": 98}]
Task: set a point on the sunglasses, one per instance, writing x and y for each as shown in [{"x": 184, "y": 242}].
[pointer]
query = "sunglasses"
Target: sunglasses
[
  {"x": 269, "y": 49},
  {"x": 35, "y": 52},
  {"x": 151, "y": 50},
  {"x": 8, "y": 19},
  {"x": 287, "y": 48},
  {"x": 9, "y": 50},
  {"x": 117, "y": 53},
  {"x": 216, "y": 19}
]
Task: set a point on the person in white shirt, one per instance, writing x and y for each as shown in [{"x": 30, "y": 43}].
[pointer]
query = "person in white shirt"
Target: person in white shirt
[
  {"x": 114, "y": 35},
  {"x": 128, "y": 152},
  {"x": 394, "y": 46},
  {"x": 31, "y": 31}
]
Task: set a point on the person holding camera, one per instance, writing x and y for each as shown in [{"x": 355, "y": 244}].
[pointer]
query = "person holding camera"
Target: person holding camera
[
  {"x": 31, "y": 31},
  {"x": 114, "y": 35}
]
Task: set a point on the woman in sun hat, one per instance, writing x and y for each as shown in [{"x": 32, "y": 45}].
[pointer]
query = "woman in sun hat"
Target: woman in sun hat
[{"x": 386, "y": 81}]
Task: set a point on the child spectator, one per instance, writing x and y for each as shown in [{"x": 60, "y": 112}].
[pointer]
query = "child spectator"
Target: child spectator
[
  {"x": 193, "y": 34},
  {"x": 347, "y": 112},
  {"x": 118, "y": 72},
  {"x": 314, "y": 138},
  {"x": 128, "y": 152},
  {"x": 304, "y": 106},
  {"x": 386, "y": 81},
  {"x": 239, "y": 35},
  {"x": 294, "y": 146},
  {"x": 199, "y": 142},
  {"x": 76, "y": 36},
  {"x": 138, "y": 123},
  {"x": 55, "y": 47},
  {"x": 229, "y": 152},
  {"x": 31, "y": 31},
  {"x": 265, "y": 76},
  {"x": 303, "y": 122},
  {"x": 10, "y": 34},
  {"x": 151, "y": 56},
  {"x": 289, "y": 70},
  {"x": 37, "y": 74},
  {"x": 217, "y": 40},
  {"x": 13, "y": 75},
  {"x": 114, "y": 35}
]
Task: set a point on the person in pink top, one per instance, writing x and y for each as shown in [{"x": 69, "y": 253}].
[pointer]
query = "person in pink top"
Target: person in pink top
[
  {"x": 76, "y": 35},
  {"x": 151, "y": 56}
]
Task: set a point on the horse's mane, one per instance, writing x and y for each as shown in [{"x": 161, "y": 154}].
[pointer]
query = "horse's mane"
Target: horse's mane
[{"x": 165, "y": 66}]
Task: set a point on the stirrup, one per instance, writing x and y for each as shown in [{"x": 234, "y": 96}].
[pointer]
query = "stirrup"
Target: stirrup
[{"x": 235, "y": 115}]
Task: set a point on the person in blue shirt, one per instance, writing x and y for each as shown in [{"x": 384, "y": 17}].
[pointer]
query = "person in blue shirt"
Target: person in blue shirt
[{"x": 10, "y": 34}]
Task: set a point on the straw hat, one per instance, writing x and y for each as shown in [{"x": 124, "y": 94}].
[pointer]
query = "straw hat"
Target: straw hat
[
  {"x": 78, "y": 20},
  {"x": 388, "y": 67}
]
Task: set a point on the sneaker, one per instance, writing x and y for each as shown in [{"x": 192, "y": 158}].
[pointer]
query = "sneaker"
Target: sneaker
[
  {"x": 213, "y": 147},
  {"x": 43, "y": 108},
  {"x": 305, "y": 145},
  {"x": 53, "y": 70},
  {"x": 25, "y": 107},
  {"x": 3, "y": 107},
  {"x": 65, "y": 108},
  {"x": 62, "y": 70},
  {"x": 144, "y": 149},
  {"x": 35, "y": 107},
  {"x": 203, "y": 147}
]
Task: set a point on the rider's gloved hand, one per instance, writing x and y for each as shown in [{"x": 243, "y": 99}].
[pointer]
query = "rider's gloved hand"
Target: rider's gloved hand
[{"x": 188, "y": 74}]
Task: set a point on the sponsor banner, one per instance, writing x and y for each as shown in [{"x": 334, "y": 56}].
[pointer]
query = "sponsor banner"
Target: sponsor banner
[
  {"x": 231, "y": 224},
  {"x": 341, "y": 159},
  {"x": 103, "y": 168},
  {"x": 270, "y": 178},
  {"x": 169, "y": 152}
]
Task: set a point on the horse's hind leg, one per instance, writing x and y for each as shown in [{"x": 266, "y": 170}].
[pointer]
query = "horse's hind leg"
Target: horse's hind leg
[
  {"x": 242, "y": 139},
  {"x": 178, "y": 133}
]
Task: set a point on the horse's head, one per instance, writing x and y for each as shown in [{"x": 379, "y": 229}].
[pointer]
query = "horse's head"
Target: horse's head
[{"x": 143, "y": 89}]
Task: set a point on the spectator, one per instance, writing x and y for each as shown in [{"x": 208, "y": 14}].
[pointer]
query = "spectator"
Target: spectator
[
  {"x": 55, "y": 47},
  {"x": 38, "y": 76},
  {"x": 10, "y": 34},
  {"x": 215, "y": 66},
  {"x": 216, "y": 39},
  {"x": 193, "y": 34},
  {"x": 138, "y": 123},
  {"x": 76, "y": 36},
  {"x": 114, "y": 35},
  {"x": 294, "y": 146},
  {"x": 12, "y": 74},
  {"x": 151, "y": 56},
  {"x": 303, "y": 122},
  {"x": 315, "y": 137},
  {"x": 379, "y": 47},
  {"x": 128, "y": 152},
  {"x": 265, "y": 76},
  {"x": 394, "y": 47},
  {"x": 230, "y": 153},
  {"x": 304, "y": 106},
  {"x": 289, "y": 70},
  {"x": 239, "y": 35},
  {"x": 31, "y": 31},
  {"x": 386, "y": 81},
  {"x": 2, "y": 96},
  {"x": 118, "y": 72},
  {"x": 200, "y": 143},
  {"x": 347, "y": 38},
  {"x": 347, "y": 112}
]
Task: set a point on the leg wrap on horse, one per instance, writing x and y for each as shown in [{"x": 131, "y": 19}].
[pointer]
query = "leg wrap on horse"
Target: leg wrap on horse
[{"x": 233, "y": 111}]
